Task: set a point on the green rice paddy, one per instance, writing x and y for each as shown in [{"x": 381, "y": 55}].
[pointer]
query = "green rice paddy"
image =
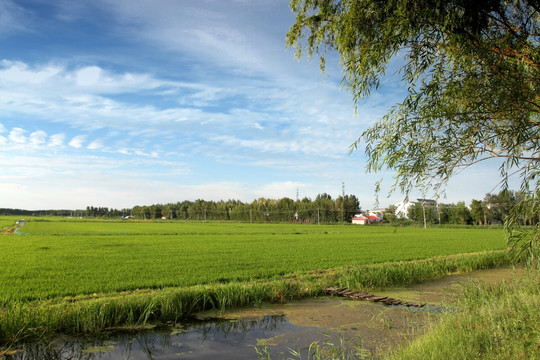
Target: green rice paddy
[
  {"x": 66, "y": 258},
  {"x": 83, "y": 276}
]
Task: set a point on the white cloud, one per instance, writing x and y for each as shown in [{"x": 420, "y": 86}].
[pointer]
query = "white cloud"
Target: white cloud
[
  {"x": 41, "y": 181},
  {"x": 56, "y": 140},
  {"x": 79, "y": 98},
  {"x": 37, "y": 138},
  {"x": 99, "y": 81},
  {"x": 16, "y": 72},
  {"x": 16, "y": 136},
  {"x": 61, "y": 80},
  {"x": 95, "y": 145},
  {"x": 77, "y": 141},
  {"x": 88, "y": 76}
]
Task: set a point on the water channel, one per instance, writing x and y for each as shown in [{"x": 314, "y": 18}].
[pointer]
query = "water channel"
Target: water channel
[{"x": 374, "y": 327}]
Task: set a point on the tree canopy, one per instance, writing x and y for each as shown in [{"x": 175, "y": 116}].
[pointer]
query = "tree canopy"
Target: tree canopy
[{"x": 473, "y": 74}]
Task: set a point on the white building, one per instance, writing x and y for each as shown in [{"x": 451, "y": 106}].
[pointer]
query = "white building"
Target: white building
[{"x": 402, "y": 208}]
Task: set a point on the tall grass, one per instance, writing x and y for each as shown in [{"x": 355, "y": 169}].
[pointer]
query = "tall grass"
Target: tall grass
[
  {"x": 406, "y": 273},
  {"x": 494, "y": 322},
  {"x": 23, "y": 321}
]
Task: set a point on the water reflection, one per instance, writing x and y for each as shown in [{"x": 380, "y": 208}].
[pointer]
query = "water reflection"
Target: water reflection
[{"x": 223, "y": 339}]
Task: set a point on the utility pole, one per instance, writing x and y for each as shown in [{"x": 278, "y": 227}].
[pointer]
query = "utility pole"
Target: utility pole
[
  {"x": 424, "y": 211},
  {"x": 343, "y": 201}
]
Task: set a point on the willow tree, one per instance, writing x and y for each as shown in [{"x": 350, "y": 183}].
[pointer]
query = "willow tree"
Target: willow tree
[{"x": 473, "y": 75}]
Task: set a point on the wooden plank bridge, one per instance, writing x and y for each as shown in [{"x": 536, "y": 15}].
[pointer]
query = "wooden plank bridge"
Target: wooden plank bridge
[{"x": 369, "y": 297}]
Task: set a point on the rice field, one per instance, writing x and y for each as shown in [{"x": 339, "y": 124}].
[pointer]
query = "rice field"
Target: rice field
[
  {"x": 58, "y": 258},
  {"x": 83, "y": 276}
]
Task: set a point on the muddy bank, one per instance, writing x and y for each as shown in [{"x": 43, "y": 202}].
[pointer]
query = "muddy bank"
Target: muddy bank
[{"x": 377, "y": 327}]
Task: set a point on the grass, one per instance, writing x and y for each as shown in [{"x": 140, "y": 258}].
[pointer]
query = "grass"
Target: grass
[
  {"x": 494, "y": 322},
  {"x": 123, "y": 256},
  {"x": 127, "y": 274}
]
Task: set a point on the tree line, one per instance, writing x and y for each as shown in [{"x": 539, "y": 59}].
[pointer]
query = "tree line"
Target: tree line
[
  {"x": 493, "y": 209},
  {"x": 322, "y": 209},
  {"x": 51, "y": 212}
]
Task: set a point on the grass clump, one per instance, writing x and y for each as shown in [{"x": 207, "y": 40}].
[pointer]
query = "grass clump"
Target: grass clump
[
  {"x": 385, "y": 275},
  {"x": 493, "y": 322}
]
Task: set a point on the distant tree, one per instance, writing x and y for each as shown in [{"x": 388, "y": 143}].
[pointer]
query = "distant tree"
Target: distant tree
[
  {"x": 390, "y": 214},
  {"x": 477, "y": 212},
  {"x": 460, "y": 214},
  {"x": 415, "y": 212},
  {"x": 347, "y": 206},
  {"x": 155, "y": 211},
  {"x": 326, "y": 208},
  {"x": 167, "y": 211},
  {"x": 322, "y": 197},
  {"x": 500, "y": 205}
]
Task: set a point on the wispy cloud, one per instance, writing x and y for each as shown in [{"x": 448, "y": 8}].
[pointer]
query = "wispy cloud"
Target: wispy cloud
[
  {"x": 13, "y": 17},
  {"x": 56, "y": 140},
  {"x": 78, "y": 141},
  {"x": 95, "y": 145},
  {"x": 37, "y": 138},
  {"x": 76, "y": 98}
]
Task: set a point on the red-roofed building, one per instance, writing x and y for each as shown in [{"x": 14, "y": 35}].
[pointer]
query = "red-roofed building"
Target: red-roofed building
[{"x": 362, "y": 219}]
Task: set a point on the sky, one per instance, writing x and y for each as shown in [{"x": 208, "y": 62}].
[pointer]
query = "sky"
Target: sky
[{"x": 118, "y": 103}]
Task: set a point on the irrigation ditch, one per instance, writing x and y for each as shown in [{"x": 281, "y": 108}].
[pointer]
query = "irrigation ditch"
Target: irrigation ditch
[
  {"x": 374, "y": 326},
  {"x": 25, "y": 327}
]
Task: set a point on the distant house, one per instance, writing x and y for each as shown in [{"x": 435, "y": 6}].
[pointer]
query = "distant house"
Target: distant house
[
  {"x": 402, "y": 208},
  {"x": 361, "y": 219},
  {"x": 378, "y": 213}
]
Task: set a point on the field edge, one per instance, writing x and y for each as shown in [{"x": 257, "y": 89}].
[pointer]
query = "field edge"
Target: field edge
[{"x": 42, "y": 320}]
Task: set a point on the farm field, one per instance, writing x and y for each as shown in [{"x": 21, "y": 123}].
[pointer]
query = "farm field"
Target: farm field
[{"x": 58, "y": 258}]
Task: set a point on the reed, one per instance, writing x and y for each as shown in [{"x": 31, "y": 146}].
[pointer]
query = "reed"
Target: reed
[{"x": 411, "y": 272}]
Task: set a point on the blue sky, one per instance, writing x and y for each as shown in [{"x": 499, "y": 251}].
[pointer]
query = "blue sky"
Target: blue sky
[{"x": 134, "y": 102}]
